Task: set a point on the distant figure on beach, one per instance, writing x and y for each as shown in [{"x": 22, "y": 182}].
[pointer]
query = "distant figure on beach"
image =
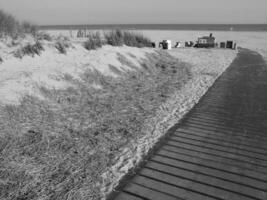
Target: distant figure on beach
[
  {"x": 189, "y": 44},
  {"x": 178, "y": 45}
]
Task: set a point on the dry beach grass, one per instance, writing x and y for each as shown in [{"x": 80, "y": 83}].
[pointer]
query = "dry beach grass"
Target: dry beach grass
[{"x": 58, "y": 149}]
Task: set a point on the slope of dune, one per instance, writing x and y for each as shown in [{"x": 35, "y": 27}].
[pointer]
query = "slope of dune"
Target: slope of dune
[{"x": 24, "y": 76}]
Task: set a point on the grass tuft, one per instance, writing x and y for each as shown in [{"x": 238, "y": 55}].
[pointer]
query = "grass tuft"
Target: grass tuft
[
  {"x": 136, "y": 40},
  {"x": 61, "y": 45},
  {"x": 118, "y": 38},
  {"x": 30, "y": 49},
  {"x": 114, "y": 38},
  {"x": 94, "y": 41}
]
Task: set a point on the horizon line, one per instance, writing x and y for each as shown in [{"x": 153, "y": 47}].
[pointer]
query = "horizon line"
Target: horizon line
[{"x": 80, "y": 24}]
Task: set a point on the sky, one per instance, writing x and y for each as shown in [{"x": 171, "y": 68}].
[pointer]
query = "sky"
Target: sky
[{"x": 59, "y": 12}]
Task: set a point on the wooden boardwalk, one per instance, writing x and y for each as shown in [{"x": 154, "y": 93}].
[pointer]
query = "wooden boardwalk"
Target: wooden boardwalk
[{"x": 219, "y": 151}]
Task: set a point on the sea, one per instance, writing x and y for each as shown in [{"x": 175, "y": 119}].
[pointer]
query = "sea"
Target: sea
[{"x": 200, "y": 27}]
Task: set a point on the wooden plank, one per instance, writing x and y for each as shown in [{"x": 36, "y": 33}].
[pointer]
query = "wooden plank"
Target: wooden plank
[
  {"x": 259, "y": 145},
  {"x": 246, "y": 118},
  {"x": 254, "y": 140},
  {"x": 247, "y": 134},
  {"x": 213, "y": 151},
  {"x": 219, "y": 118},
  {"x": 219, "y": 141},
  {"x": 211, "y": 126},
  {"x": 180, "y": 192},
  {"x": 157, "y": 193},
  {"x": 230, "y": 121},
  {"x": 254, "y": 156},
  {"x": 127, "y": 196},
  {"x": 261, "y": 132},
  {"x": 239, "y": 125}
]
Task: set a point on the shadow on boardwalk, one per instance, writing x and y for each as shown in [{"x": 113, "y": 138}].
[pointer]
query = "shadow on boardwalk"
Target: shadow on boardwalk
[{"x": 219, "y": 150}]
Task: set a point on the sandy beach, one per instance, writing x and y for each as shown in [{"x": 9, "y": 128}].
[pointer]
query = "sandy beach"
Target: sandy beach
[
  {"x": 247, "y": 39},
  {"x": 256, "y": 41}
]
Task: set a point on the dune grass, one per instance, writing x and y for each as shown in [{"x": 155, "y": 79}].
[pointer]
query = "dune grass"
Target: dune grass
[
  {"x": 136, "y": 40},
  {"x": 114, "y": 38},
  {"x": 43, "y": 36},
  {"x": 62, "y": 44},
  {"x": 118, "y": 38},
  {"x": 29, "y": 49},
  {"x": 61, "y": 47},
  {"x": 57, "y": 149},
  {"x": 94, "y": 41},
  {"x": 10, "y": 26}
]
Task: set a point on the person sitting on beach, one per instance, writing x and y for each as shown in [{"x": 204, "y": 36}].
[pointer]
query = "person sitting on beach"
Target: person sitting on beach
[{"x": 177, "y": 45}]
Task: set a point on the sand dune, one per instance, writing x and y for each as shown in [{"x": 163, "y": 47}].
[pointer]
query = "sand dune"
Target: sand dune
[{"x": 24, "y": 76}]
